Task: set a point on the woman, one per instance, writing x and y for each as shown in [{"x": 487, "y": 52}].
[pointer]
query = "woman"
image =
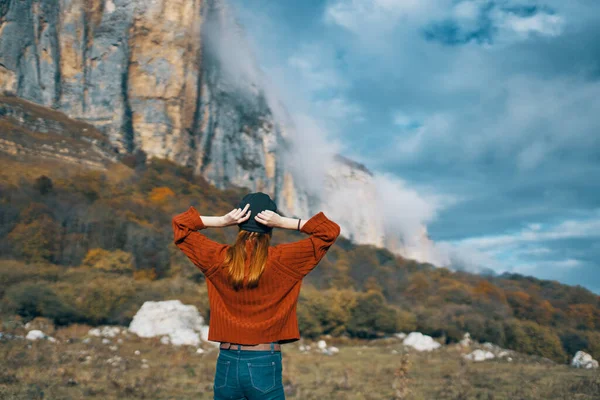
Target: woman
[{"x": 253, "y": 289}]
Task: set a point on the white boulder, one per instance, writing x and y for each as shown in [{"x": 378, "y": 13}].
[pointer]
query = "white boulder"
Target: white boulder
[
  {"x": 584, "y": 360},
  {"x": 480, "y": 355},
  {"x": 331, "y": 350},
  {"x": 182, "y": 323},
  {"x": 503, "y": 353},
  {"x": 322, "y": 344},
  {"x": 400, "y": 335},
  {"x": 35, "y": 335},
  {"x": 421, "y": 342}
]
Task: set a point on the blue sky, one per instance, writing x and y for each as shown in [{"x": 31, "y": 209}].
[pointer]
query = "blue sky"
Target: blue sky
[{"x": 490, "y": 107}]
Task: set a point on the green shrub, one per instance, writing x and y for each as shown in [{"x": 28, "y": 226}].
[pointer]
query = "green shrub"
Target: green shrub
[
  {"x": 371, "y": 316},
  {"x": 530, "y": 338},
  {"x": 31, "y": 300},
  {"x": 100, "y": 298},
  {"x": 406, "y": 321}
]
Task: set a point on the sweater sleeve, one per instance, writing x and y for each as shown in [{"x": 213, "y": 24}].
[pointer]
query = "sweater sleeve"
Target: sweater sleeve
[
  {"x": 203, "y": 252},
  {"x": 300, "y": 257}
]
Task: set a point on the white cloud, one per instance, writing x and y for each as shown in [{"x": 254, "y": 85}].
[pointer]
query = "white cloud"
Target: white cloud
[
  {"x": 570, "y": 229},
  {"x": 354, "y": 15},
  {"x": 340, "y": 108},
  {"x": 540, "y": 23},
  {"x": 515, "y": 251},
  {"x": 373, "y": 19},
  {"x": 535, "y": 227},
  {"x": 557, "y": 265},
  {"x": 311, "y": 63},
  {"x": 512, "y": 104},
  {"x": 466, "y": 11},
  {"x": 406, "y": 211},
  {"x": 403, "y": 120},
  {"x": 535, "y": 251}
]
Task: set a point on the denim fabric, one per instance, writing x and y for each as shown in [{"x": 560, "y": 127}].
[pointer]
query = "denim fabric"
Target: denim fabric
[{"x": 248, "y": 375}]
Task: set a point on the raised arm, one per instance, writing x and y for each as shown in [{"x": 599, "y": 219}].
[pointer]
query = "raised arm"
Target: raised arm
[
  {"x": 202, "y": 251},
  {"x": 302, "y": 256}
]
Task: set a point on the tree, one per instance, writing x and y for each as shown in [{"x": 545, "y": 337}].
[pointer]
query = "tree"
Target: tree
[
  {"x": 531, "y": 338},
  {"x": 36, "y": 241},
  {"x": 43, "y": 184},
  {"x": 371, "y": 316},
  {"x": 110, "y": 261}
]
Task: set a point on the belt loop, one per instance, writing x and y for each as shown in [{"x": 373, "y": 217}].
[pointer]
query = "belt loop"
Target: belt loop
[
  {"x": 272, "y": 348},
  {"x": 239, "y": 347}
]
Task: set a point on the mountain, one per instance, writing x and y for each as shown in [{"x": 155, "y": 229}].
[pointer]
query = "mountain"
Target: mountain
[
  {"x": 147, "y": 75},
  {"x": 179, "y": 81}
]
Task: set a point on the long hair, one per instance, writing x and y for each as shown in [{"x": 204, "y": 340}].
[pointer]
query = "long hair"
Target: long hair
[{"x": 235, "y": 258}]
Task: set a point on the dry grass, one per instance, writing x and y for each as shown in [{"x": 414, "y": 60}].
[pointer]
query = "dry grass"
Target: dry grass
[{"x": 72, "y": 369}]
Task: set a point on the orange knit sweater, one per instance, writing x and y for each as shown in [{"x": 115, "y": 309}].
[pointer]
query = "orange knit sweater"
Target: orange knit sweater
[{"x": 266, "y": 313}]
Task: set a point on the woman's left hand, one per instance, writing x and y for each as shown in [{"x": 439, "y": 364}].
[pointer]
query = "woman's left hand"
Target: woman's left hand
[{"x": 237, "y": 216}]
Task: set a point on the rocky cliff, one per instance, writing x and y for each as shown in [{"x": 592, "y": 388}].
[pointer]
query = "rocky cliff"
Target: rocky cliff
[
  {"x": 148, "y": 74},
  {"x": 177, "y": 80}
]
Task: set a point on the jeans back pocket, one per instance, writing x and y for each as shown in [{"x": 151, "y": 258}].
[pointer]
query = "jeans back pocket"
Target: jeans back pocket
[
  {"x": 262, "y": 375},
  {"x": 221, "y": 373}
]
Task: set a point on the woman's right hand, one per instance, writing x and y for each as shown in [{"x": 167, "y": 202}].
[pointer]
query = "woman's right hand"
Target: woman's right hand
[
  {"x": 269, "y": 218},
  {"x": 236, "y": 216}
]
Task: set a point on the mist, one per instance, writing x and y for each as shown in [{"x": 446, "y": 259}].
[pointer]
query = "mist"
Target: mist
[{"x": 399, "y": 213}]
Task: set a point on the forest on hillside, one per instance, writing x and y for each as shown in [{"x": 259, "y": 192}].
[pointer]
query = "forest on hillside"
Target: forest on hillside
[{"x": 91, "y": 246}]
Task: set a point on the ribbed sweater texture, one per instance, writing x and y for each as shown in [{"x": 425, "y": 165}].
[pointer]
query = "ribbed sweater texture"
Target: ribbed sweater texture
[{"x": 266, "y": 313}]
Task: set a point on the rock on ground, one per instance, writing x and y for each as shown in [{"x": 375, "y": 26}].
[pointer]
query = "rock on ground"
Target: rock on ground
[
  {"x": 480, "y": 355},
  {"x": 107, "y": 331},
  {"x": 584, "y": 360},
  {"x": 183, "y": 324},
  {"x": 421, "y": 342},
  {"x": 38, "y": 335}
]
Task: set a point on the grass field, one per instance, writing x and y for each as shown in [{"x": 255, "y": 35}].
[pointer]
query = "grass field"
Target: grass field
[{"x": 135, "y": 368}]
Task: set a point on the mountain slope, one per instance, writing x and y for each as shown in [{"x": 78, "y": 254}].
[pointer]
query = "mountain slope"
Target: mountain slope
[
  {"x": 29, "y": 131},
  {"x": 177, "y": 80},
  {"x": 67, "y": 217}
]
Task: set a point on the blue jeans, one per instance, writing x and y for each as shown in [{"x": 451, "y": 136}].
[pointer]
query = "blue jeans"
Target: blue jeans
[{"x": 248, "y": 375}]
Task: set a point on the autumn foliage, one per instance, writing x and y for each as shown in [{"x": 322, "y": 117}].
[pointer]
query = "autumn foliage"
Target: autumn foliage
[{"x": 95, "y": 242}]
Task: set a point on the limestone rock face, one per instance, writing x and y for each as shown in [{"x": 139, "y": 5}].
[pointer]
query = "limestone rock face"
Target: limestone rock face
[{"x": 141, "y": 72}]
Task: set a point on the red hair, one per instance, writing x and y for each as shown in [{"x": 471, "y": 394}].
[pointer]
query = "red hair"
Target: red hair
[{"x": 235, "y": 258}]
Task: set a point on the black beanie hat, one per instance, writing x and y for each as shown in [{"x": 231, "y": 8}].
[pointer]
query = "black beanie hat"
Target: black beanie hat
[{"x": 258, "y": 202}]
